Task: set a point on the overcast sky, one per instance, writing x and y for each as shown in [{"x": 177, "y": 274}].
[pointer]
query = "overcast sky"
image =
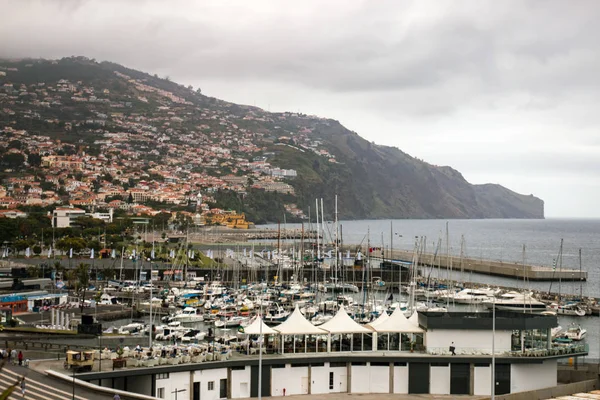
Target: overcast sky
[{"x": 504, "y": 91}]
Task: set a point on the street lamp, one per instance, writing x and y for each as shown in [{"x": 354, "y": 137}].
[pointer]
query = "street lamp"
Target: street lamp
[{"x": 494, "y": 349}]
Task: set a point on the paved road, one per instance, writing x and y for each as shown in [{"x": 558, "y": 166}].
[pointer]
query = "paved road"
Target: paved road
[{"x": 42, "y": 387}]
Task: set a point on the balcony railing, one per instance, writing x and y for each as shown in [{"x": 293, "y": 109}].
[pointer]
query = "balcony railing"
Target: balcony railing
[{"x": 541, "y": 352}]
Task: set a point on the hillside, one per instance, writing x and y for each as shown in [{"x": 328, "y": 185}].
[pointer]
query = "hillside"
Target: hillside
[{"x": 128, "y": 133}]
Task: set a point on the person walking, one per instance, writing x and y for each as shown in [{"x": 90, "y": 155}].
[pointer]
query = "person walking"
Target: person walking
[
  {"x": 20, "y": 357},
  {"x": 453, "y": 349},
  {"x": 13, "y": 355},
  {"x": 23, "y": 386}
]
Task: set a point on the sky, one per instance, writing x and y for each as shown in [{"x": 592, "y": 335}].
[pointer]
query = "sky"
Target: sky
[{"x": 503, "y": 91}]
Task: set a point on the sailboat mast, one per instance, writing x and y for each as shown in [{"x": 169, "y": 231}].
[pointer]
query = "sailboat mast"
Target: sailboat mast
[
  {"x": 336, "y": 240},
  {"x": 391, "y": 253},
  {"x": 318, "y": 230},
  {"x": 580, "y": 281},
  {"x": 560, "y": 256}
]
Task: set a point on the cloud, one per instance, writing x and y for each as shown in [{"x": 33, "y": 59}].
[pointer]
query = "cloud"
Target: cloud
[{"x": 483, "y": 86}]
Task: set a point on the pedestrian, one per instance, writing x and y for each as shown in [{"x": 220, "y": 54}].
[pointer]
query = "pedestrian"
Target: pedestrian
[
  {"x": 117, "y": 397},
  {"x": 20, "y": 357},
  {"x": 452, "y": 349},
  {"x": 23, "y": 386},
  {"x": 13, "y": 355},
  {"x": 8, "y": 353}
]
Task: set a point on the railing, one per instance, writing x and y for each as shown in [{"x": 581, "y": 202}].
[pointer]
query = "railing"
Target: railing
[{"x": 541, "y": 352}]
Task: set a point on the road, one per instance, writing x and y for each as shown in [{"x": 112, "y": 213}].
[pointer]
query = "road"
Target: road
[{"x": 42, "y": 387}]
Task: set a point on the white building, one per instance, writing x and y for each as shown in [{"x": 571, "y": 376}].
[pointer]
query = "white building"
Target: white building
[{"x": 65, "y": 217}]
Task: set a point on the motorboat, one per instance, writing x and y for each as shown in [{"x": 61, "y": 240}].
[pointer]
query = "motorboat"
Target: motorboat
[
  {"x": 573, "y": 309},
  {"x": 188, "y": 315},
  {"x": 231, "y": 322},
  {"x": 514, "y": 301},
  {"x": 575, "y": 332},
  {"x": 275, "y": 314},
  {"x": 472, "y": 296}
]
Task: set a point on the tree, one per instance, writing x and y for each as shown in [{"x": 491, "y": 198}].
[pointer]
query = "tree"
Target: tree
[
  {"x": 34, "y": 159},
  {"x": 37, "y": 250},
  {"x": 13, "y": 160},
  {"x": 15, "y": 144},
  {"x": 130, "y": 198}
]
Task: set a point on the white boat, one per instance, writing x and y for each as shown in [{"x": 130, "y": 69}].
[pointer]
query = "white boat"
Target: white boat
[
  {"x": 275, "y": 314},
  {"x": 231, "y": 322},
  {"x": 131, "y": 328},
  {"x": 188, "y": 315},
  {"x": 514, "y": 301},
  {"x": 568, "y": 309},
  {"x": 472, "y": 296},
  {"x": 575, "y": 332}
]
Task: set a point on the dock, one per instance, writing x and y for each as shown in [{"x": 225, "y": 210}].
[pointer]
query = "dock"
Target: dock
[{"x": 496, "y": 268}]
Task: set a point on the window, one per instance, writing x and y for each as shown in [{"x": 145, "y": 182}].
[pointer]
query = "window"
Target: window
[
  {"x": 330, "y": 380},
  {"x": 164, "y": 375},
  {"x": 160, "y": 393},
  {"x": 211, "y": 385}
]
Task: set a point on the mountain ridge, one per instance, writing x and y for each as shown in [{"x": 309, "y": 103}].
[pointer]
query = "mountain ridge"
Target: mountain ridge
[{"x": 371, "y": 181}]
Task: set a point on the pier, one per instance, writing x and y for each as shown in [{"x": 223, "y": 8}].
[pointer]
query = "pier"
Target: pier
[{"x": 491, "y": 267}]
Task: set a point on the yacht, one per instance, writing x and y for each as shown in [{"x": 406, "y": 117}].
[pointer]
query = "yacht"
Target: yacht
[
  {"x": 231, "y": 322},
  {"x": 188, "y": 315},
  {"x": 514, "y": 301},
  {"x": 472, "y": 296},
  {"x": 568, "y": 309},
  {"x": 575, "y": 332},
  {"x": 275, "y": 314}
]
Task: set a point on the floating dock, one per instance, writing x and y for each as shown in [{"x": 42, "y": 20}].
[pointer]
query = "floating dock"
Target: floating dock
[{"x": 497, "y": 268}]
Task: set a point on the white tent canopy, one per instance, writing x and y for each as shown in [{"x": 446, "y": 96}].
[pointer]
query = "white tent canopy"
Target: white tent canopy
[
  {"x": 342, "y": 323},
  {"x": 296, "y": 324},
  {"x": 384, "y": 316},
  {"x": 414, "y": 319},
  {"x": 397, "y": 322},
  {"x": 255, "y": 328}
]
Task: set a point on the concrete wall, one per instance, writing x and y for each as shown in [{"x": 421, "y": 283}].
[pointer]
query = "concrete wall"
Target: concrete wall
[
  {"x": 176, "y": 380},
  {"x": 401, "y": 380},
  {"x": 483, "y": 381},
  {"x": 240, "y": 383},
  {"x": 293, "y": 379},
  {"x": 210, "y": 375},
  {"x": 467, "y": 340},
  {"x": 320, "y": 379},
  {"x": 439, "y": 380},
  {"x": 526, "y": 377}
]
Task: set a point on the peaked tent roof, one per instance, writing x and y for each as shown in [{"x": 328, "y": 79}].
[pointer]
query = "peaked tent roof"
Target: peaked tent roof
[
  {"x": 296, "y": 324},
  {"x": 397, "y": 322},
  {"x": 254, "y": 328},
  {"x": 414, "y": 318},
  {"x": 384, "y": 316},
  {"x": 342, "y": 323}
]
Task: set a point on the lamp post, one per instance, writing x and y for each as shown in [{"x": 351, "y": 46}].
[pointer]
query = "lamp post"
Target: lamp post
[
  {"x": 494, "y": 349},
  {"x": 260, "y": 340},
  {"x": 73, "y": 369}
]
